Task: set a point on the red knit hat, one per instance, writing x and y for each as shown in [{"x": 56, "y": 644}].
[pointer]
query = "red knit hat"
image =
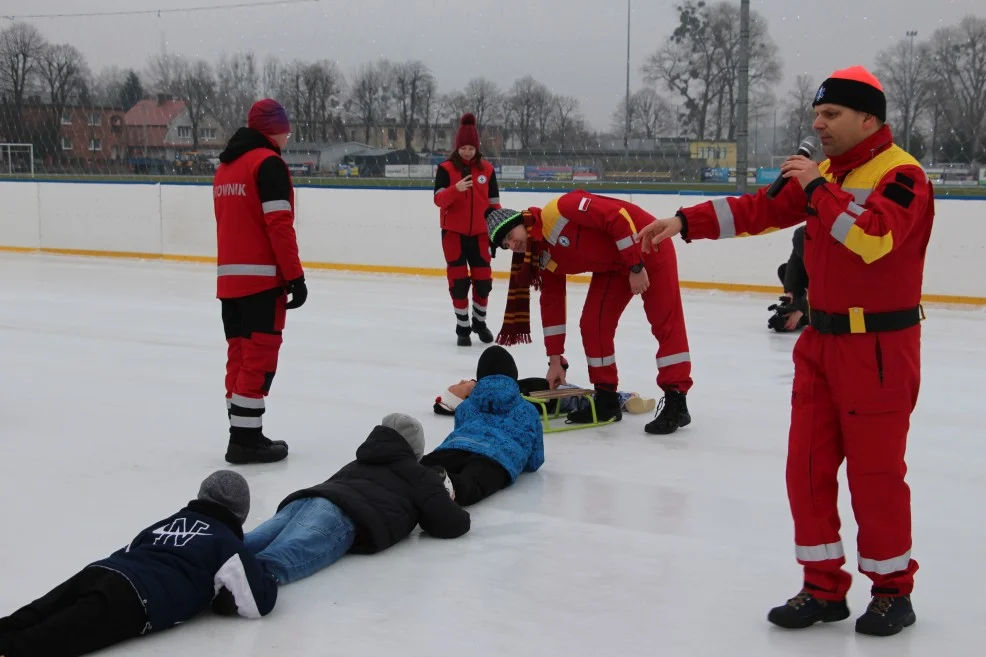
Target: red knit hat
[
  {"x": 269, "y": 117},
  {"x": 467, "y": 134},
  {"x": 855, "y": 88}
]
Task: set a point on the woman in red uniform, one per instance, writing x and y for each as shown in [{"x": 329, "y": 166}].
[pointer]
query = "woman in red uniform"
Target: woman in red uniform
[{"x": 465, "y": 187}]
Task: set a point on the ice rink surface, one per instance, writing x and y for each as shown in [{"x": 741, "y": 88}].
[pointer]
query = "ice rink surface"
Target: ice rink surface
[{"x": 623, "y": 544}]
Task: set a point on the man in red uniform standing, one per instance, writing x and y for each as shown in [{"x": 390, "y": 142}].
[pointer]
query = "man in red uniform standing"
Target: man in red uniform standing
[
  {"x": 581, "y": 232},
  {"x": 258, "y": 263},
  {"x": 869, "y": 209}
]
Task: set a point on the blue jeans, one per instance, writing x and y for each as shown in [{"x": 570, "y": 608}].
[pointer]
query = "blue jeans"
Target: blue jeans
[{"x": 304, "y": 537}]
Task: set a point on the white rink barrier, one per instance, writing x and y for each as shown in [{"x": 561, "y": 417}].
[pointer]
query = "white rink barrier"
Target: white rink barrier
[{"x": 396, "y": 231}]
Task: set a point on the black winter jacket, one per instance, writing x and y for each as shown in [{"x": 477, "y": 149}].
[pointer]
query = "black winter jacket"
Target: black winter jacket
[{"x": 386, "y": 493}]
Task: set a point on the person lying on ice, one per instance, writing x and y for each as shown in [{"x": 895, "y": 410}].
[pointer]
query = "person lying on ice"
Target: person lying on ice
[
  {"x": 166, "y": 575},
  {"x": 497, "y": 433},
  {"x": 364, "y": 508},
  {"x": 630, "y": 402}
]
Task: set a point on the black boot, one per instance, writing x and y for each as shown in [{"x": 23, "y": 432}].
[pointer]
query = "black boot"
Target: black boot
[
  {"x": 607, "y": 407},
  {"x": 886, "y": 616},
  {"x": 252, "y": 446},
  {"x": 480, "y": 329},
  {"x": 463, "y": 336},
  {"x": 672, "y": 413},
  {"x": 804, "y": 610}
]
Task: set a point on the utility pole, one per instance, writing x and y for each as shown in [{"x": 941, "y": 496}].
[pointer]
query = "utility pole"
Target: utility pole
[
  {"x": 626, "y": 133},
  {"x": 743, "y": 106},
  {"x": 909, "y": 92}
]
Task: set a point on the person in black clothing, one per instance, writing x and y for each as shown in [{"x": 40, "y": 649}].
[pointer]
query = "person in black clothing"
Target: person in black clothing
[
  {"x": 364, "y": 508},
  {"x": 168, "y": 574},
  {"x": 792, "y": 311}
]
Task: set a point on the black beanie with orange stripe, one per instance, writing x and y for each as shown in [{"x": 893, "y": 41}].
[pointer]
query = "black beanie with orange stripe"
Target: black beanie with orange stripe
[{"x": 855, "y": 88}]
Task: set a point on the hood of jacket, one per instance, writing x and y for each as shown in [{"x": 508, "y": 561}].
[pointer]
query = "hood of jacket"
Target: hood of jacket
[
  {"x": 243, "y": 141},
  {"x": 496, "y": 393},
  {"x": 384, "y": 445}
]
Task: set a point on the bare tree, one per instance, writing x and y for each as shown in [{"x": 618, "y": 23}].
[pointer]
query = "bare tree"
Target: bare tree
[
  {"x": 960, "y": 91},
  {"x": 525, "y": 107},
  {"x": 483, "y": 98},
  {"x": 368, "y": 94},
  {"x": 700, "y": 63},
  {"x": 21, "y": 46},
  {"x": 798, "y": 115},
  {"x": 907, "y": 73},
  {"x": 271, "y": 84},
  {"x": 412, "y": 82},
  {"x": 315, "y": 90},
  {"x": 650, "y": 115},
  {"x": 193, "y": 83},
  {"x": 566, "y": 117},
  {"x": 105, "y": 87},
  {"x": 237, "y": 83},
  {"x": 63, "y": 70}
]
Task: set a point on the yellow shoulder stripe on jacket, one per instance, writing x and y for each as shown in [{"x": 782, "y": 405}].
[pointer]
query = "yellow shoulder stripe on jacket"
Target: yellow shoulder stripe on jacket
[{"x": 860, "y": 183}]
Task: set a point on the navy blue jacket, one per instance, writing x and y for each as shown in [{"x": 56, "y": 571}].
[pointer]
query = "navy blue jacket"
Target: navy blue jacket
[{"x": 178, "y": 564}]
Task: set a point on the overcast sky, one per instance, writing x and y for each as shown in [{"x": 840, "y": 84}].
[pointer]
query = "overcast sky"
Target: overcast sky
[{"x": 576, "y": 47}]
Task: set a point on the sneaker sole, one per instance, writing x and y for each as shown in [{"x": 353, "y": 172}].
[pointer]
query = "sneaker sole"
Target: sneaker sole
[{"x": 640, "y": 405}]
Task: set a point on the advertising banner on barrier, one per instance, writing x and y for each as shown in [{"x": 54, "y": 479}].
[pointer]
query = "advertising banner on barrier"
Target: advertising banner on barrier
[
  {"x": 511, "y": 172},
  {"x": 766, "y": 176},
  {"x": 715, "y": 174},
  {"x": 396, "y": 171},
  {"x": 547, "y": 173},
  {"x": 982, "y": 176},
  {"x": 421, "y": 170},
  {"x": 584, "y": 173}
]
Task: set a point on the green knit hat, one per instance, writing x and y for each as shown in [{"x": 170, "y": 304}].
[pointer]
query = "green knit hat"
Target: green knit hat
[{"x": 499, "y": 223}]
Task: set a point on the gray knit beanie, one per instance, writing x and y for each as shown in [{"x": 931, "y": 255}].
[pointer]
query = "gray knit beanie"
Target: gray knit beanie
[
  {"x": 228, "y": 489},
  {"x": 410, "y": 429}
]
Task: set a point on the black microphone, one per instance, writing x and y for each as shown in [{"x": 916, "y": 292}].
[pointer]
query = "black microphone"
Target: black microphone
[{"x": 807, "y": 148}]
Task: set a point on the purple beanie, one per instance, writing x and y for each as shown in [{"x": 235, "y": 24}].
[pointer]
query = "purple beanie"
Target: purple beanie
[{"x": 269, "y": 117}]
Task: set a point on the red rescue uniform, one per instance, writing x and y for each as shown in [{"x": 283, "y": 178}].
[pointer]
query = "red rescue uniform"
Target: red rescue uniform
[
  {"x": 581, "y": 233},
  {"x": 257, "y": 255},
  {"x": 465, "y": 241},
  {"x": 857, "y": 366}
]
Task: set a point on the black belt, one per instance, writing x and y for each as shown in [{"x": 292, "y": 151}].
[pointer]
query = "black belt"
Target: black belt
[{"x": 859, "y": 321}]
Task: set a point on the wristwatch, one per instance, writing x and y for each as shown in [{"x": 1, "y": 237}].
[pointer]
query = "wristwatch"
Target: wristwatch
[{"x": 637, "y": 268}]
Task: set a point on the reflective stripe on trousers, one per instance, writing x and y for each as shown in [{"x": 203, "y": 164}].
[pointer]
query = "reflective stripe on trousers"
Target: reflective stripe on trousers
[{"x": 247, "y": 270}]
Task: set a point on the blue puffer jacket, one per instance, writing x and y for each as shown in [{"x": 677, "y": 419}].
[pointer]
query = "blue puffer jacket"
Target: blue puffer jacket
[{"x": 496, "y": 422}]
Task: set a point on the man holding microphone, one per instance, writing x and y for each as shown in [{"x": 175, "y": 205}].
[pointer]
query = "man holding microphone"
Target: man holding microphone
[{"x": 869, "y": 210}]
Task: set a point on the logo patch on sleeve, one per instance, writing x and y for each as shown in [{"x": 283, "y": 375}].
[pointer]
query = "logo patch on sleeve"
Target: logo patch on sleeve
[{"x": 584, "y": 203}]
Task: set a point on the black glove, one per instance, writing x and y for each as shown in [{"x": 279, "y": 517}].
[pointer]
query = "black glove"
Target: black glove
[{"x": 298, "y": 291}]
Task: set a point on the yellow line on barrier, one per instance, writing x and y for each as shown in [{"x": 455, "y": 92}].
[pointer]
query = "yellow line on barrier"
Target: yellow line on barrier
[{"x": 435, "y": 271}]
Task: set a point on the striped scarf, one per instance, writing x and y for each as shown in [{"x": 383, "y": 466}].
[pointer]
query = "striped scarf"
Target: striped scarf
[{"x": 525, "y": 273}]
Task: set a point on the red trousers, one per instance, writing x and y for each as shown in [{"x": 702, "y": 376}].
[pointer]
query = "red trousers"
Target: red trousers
[
  {"x": 253, "y": 326},
  {"x": 852, "y": 400},
  {"x": 467, "y": 262},
  {"x": 608, "y": 296}
]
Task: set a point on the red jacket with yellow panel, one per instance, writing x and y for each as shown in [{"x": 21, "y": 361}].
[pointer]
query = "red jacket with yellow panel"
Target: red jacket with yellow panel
[
  {"x": 867, "y": 231},
  {"x": 580, "y": 233}
]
